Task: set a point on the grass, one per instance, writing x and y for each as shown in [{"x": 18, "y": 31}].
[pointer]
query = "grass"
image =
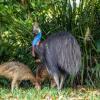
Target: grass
[{"x": 81, "y": 93}]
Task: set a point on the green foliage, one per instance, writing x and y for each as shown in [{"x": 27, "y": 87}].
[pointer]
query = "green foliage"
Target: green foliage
[{"x": 16, "y": 17}]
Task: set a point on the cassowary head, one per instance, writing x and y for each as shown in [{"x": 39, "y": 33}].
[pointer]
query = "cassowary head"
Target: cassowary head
[{"x": 36, "y": 28}]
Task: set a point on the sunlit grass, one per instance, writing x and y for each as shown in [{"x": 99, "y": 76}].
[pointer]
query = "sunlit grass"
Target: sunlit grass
[{"x": 50, "y": 94}]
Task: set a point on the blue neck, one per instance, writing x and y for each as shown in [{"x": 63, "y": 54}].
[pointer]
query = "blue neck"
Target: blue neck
[{"x": 39, "y": 32}]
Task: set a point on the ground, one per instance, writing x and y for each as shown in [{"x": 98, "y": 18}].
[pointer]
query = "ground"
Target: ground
[{"x": 81, "y": 93}]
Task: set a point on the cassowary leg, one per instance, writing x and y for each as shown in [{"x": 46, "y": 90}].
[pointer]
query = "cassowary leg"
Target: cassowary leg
[
  {"x": 62, "y": 79},
  {"x": 17, "y": 84},
  {"x": 56, "y": 78},
  {"x": 13, "y": 84}
]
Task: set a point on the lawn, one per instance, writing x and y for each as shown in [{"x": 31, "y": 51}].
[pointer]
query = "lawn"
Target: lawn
[{"x": 81, "y": 93}]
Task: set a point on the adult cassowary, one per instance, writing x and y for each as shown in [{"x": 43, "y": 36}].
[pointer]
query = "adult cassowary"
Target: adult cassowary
[{"x": 61, "y": 54}]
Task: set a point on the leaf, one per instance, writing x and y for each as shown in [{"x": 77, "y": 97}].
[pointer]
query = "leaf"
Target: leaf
[
  {"x": 97, "y": 65},
  {"x": 98, "y": 45}
]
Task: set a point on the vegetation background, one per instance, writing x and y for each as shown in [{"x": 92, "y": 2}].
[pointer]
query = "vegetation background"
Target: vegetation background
[{"x": 81, "y": 19}]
